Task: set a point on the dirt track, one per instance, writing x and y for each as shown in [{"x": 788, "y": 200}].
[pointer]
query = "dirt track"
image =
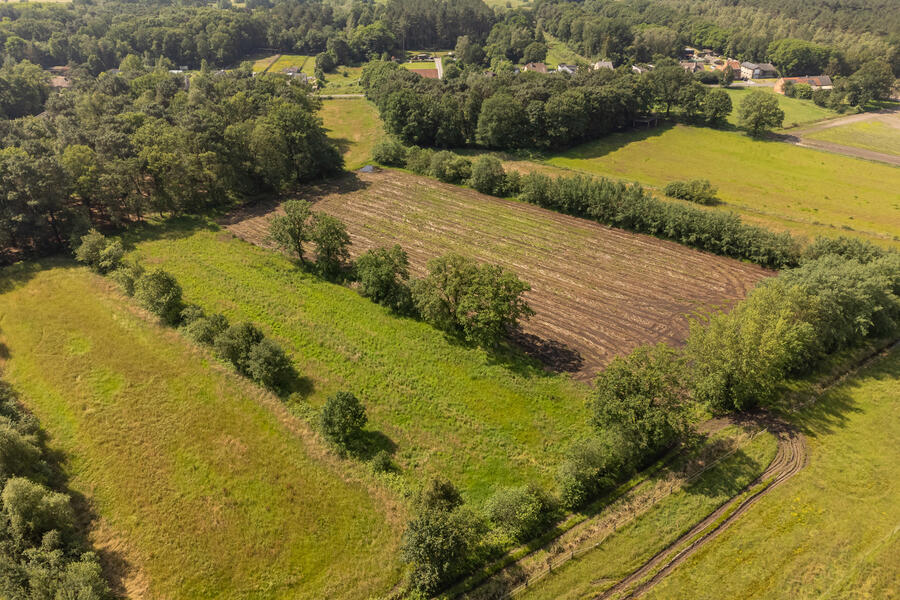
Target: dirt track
[
  {"x": 790, "y": 458},
  {"x": 598, "y": 292},
  {"x": 800, "y": 136}
]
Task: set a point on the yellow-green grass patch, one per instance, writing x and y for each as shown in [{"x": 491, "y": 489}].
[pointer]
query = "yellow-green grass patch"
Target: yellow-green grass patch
[
  {"x": 307, "y": 64},
  {"x": 869, "y": 135},
  {"x": 264, "y": 64},
  {"x": 833, "y": 530},
  {"x": 483, "y": 421},
  {"x": 425, "y": 64},
  {"x": 354, "y": 124},
  {"x": 211, "y": 486},
  {"x": 771, "y": 183},
  {"x": 559, "y": 52}
]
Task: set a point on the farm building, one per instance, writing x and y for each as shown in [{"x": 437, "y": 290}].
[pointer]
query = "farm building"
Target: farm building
[
  {"x": 536, "y": 67},
  {"x": 751, "y": 70},
  {"x": 819, "y": 82}
]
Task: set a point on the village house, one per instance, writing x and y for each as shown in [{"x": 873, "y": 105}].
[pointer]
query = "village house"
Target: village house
[
  {"x": 603, "y": 64},
  {"x": 690, "y": 66},
  {"x": 536, "y": 67},
  {"x": 751, "y": 70},
  {"x": 730, "y": 62},
  {"x": 818, "y": 82}
]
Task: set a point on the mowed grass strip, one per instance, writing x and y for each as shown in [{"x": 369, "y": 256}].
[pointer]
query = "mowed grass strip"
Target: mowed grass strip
[
  {"x": 484, "y": 421},
  {"x": 628, "y": 548},
  {"x": 879, "y": 136},
  {"x": 353, "y": 124},
  {"x": 597, "y": 291},
  {"x": 196, "y": 471},
  {"x": 796, "y": 111},
  {"x": 774, "y": 184},
  {"x": 833, "y": 530}
]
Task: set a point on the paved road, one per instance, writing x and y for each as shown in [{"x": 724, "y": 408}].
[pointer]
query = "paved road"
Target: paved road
[{"x": 439, "y": 66}]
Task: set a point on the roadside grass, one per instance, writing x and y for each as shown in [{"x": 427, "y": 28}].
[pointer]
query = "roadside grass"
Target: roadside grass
[
  {"x": 482, "y": 420},
  {"x": 771, "y": 183},
  {"x": 629, "y": 547},
  {"x": 869, "y": 135},
  {"x": 353, "y": 123},
  {"x": 796, "y": 111},
  {"x": 202, "y": 484},
  {"x": 307, "y": 64},
  {"x": 833, "y": 530}
]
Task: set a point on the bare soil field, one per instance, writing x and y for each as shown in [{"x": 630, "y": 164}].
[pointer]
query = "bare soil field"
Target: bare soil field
[{"x": 598, "y": 292}]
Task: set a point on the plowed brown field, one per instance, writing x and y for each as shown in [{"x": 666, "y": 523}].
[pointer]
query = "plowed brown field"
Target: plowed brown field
[{"x": 598, "y": 292}]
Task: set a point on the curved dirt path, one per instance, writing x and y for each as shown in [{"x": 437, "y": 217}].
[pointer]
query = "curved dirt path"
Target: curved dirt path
[
  {"x": 789, "y": 459},
  {"x": 799, "y": 136}
]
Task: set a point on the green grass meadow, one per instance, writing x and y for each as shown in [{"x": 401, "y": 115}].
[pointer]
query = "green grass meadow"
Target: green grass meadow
[
  {"x": 353, "y": 123},
  {"x": 868, "y": 135},
  {"x": 481, "y": 420},
  {"x": 796, "y": 111},
  {"x": 777, "y": 185},
  {"x": 203, "y": 483},
  {"x": 833, "y": 530}
]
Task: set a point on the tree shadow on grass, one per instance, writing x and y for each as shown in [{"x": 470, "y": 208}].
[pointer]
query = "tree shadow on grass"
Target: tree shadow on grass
[
  {"x": 371, "y": 443},
  {"x": 556, "y": 356},
  {"x": 616, "y": 141},
  {"x": 715, "y": 485}
]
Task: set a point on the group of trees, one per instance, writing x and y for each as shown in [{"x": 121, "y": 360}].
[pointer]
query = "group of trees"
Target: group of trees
[
  {"x": 478, "y": 303},
  {"x": 531, "y": 110},
  {"x": 42, "y": 549},
  {"x": 114, "y": 148}
]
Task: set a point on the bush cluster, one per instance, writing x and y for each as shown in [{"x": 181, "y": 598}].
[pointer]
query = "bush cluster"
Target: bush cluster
[
  {"x": 700, "y": 191},
  {"x": 42, "y": 552}
]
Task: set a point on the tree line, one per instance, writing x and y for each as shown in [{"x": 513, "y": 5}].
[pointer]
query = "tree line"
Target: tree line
[
  {"x": 531, "y": 110},
  {"x": 44, "y": 553},
  {"x": 116, "y": 148}
]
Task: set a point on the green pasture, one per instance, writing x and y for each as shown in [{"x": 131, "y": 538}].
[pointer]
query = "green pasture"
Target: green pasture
[
  {"x": 353, "y": 123},
  {"x": 868, "y": 135},
  {"x": 796, "y": 111}
]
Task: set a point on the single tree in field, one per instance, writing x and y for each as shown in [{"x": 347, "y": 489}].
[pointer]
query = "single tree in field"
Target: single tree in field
[
  {"x": 291, "y": 229},
  {"x": 383, "y": 275},
  {"x": 342, "y": 419},
  {"x": 716, "y": 107},
  {"x": 759, "y": 113},
  {"x": 329, "y": 234}
]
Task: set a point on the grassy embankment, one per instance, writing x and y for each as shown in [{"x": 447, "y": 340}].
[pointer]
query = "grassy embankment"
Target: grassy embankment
[
  {"x": 868, "y": 135},
  {"x": 203, "y": 485},
  {"x": 354, "y": 124},
  {"x": 481, "y": 420},
  {"x": 833, "y": 530}
]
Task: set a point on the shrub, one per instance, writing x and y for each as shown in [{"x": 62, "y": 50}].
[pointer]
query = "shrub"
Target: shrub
[
  {"x": 520, "y": 512},
  {"x": 235, "y": 344},
  {"x": 845, "y": 247},
  {"x": 450, "y": 168},
  {"x": 268, "y": 364},
  {"x": 159, "y": 292},
  {"x": 383, "y": 274},
  {"x": 390, "y": 152},
  {"x": 205, "y": 330},
  {"x": 439, "y": 493},
  {"x": 418, "y": 160},
  {"x": 700, "y": 191},
  {"x": 32, "y": 511},
  {"x": 488, "y": 176},
  {"x": 803, "y": 91},
  {"x": 593, "y": 466},
  {"x": 381, "y": 462},
  {"x": 437, "y": 546},
  {"x": 99, "y": 253},
  {"x": 342, "y": 419},
  {"x": 126, "y": 276}
]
